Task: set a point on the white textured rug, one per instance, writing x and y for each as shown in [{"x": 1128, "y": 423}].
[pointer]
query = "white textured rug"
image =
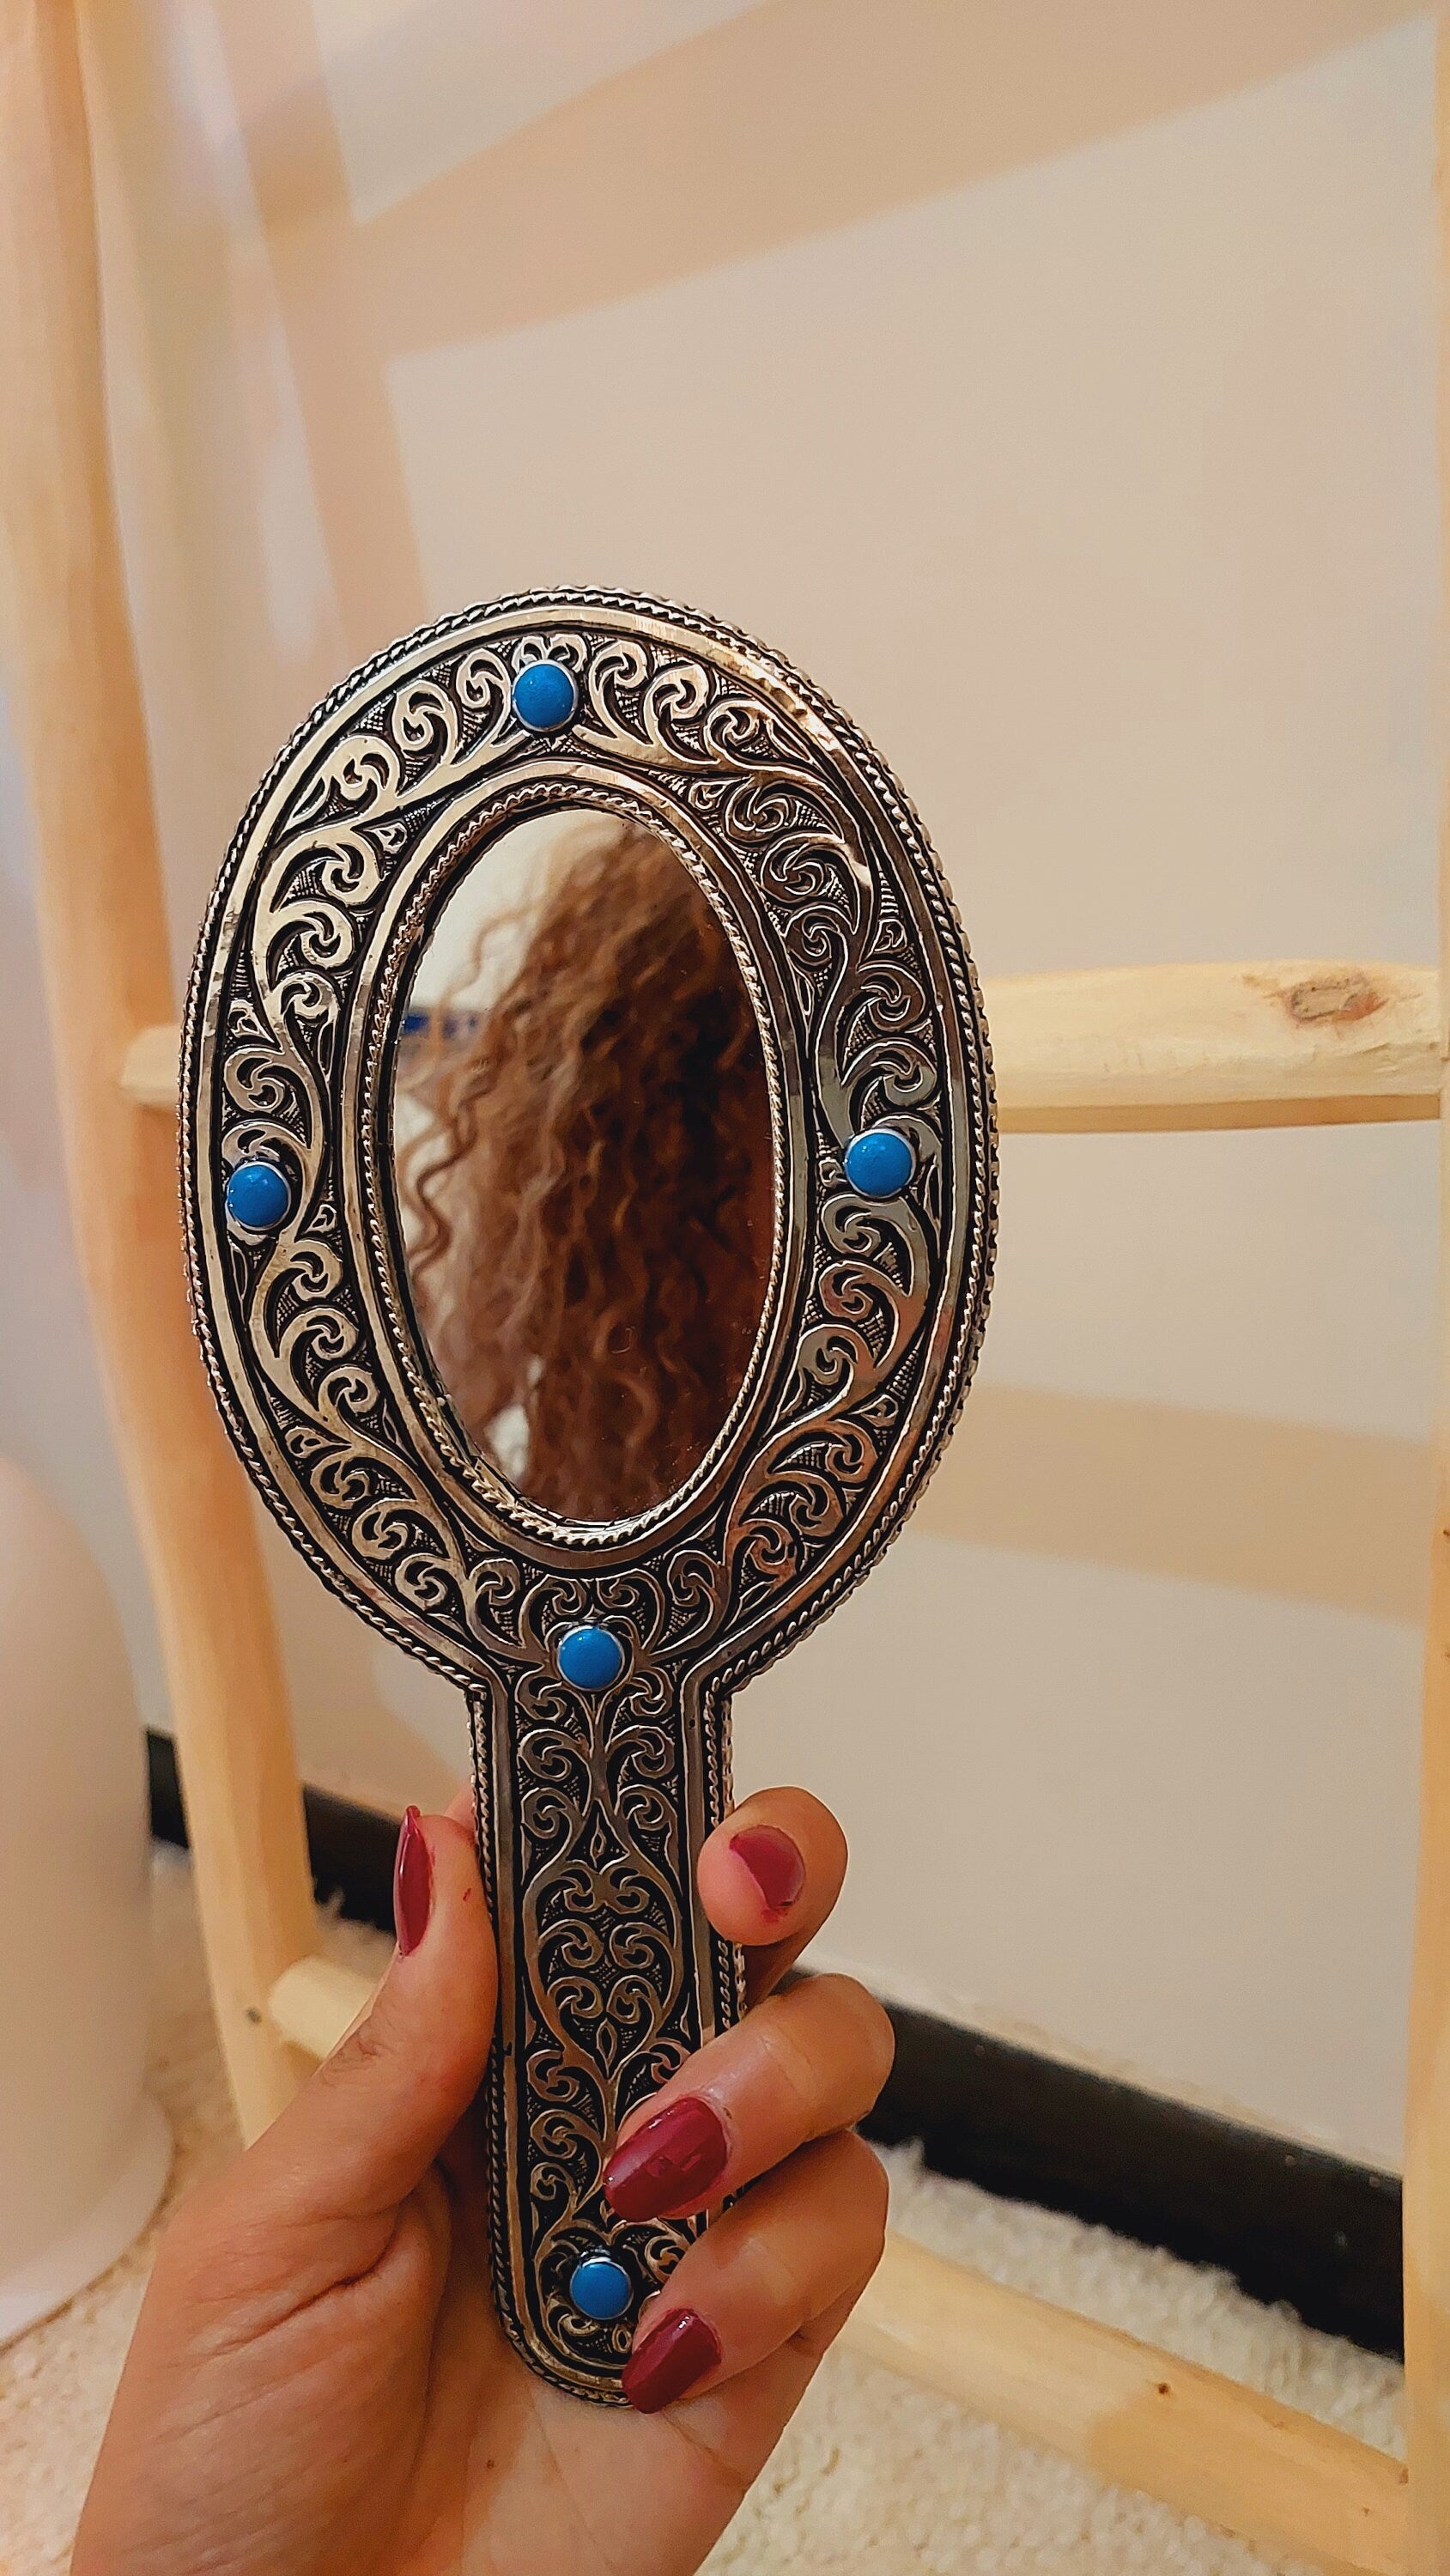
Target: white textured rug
[{"x": 872, "y": 2474}]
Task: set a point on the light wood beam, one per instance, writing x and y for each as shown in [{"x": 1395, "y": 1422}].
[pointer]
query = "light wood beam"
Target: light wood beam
[
  {"x": 1134, "y": 2415},
  {"x": 1427, "y": 2116},
  {"x": 1301, "y": 1043},
  {"x": 1146, "y": 1047},
  {"x": 105, "y": 952},
  {"x": 315, "y": 2002}
]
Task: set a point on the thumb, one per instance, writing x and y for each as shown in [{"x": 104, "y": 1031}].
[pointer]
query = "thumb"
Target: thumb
[{"x": 367, "y": 2125}]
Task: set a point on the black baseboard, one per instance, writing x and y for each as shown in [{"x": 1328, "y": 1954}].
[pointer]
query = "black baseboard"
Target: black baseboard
[
  {"x": 351, "y": 1847},
  {"x": 1289, "y": 2222}
]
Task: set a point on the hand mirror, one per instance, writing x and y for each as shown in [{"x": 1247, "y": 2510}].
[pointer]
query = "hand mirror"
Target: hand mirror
[{"x": 589, "y": 1178}]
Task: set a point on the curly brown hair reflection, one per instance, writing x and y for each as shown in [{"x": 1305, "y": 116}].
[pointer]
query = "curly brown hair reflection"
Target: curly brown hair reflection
[{"x": 587, "y": 1199}]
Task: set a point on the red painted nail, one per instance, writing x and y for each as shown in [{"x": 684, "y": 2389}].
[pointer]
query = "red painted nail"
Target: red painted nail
[
  {"x": 412, "y": 1883},
  {"x": 668, "y": 2164},
  {"x": 673, "y": 2355},
  {"x": 774, "y": 1862}
]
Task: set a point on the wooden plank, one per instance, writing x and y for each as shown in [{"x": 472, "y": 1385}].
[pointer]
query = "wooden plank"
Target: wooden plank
[
  {"x": 151, "y": 1068},
  {"x": 105, "y": 949},
  {"x": 1149, "y": 1047},
  {"x": 1427, "y": 2113},
  {"x": 316, "y": 2002},
  {"x": 1301, "y": 1043},
  {"x": 1134, "y": 2415}
]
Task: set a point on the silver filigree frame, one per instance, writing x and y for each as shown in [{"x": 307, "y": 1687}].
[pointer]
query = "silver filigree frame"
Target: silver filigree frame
[{"x": 590, "y": 1807}]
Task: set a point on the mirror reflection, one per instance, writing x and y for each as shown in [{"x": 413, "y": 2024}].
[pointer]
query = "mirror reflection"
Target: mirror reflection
[{"x": 584, "y": 1160}]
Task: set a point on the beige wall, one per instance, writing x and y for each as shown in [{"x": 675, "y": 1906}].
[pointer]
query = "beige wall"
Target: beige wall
[{"x": 1053, "y": 379}]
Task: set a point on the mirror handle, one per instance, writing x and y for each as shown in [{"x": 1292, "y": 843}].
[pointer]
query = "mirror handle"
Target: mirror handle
[{"x": 592, "y": 1805}]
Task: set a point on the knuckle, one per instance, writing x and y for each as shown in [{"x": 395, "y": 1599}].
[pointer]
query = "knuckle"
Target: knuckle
[
  {"x": 437, "y": 2058},
  {"x": 870, "y": 2190},
  {"x": 786, "y": 2039},
  {"x": 362, "y": 2048},
  {"x": 830, "y": 2044},
  {"x": 864, "y": 2023},
  {"x": 769, "y": 2278}
]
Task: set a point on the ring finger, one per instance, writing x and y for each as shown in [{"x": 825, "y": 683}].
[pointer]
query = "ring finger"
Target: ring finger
[{"x": 778, "y": 2270}]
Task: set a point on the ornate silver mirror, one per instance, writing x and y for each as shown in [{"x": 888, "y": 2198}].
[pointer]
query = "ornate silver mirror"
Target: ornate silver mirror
[{"x": 589, "y": 1179}]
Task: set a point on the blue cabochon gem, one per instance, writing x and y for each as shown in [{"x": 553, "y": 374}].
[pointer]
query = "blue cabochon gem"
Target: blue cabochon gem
[
  {"x": 590, "y": 1658},
  {"x": 258, "y": 1196},
  {"x": 879, "y": 1162},
  {"x": 545, "y": 696},
  {"x": 600, "y": 2287}
]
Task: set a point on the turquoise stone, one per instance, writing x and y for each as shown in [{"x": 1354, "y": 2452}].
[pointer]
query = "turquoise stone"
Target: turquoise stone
[
  {"x": 879, "y": 1162},
  {"x": 600, "y": 2287},
  {"x": 545, "y": 696},
  {"x": 591, "y": 1658},
  {"x": 258, "y": 1197}
]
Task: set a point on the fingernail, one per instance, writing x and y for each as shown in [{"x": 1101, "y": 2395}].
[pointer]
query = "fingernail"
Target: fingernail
[
  {"x": 412, "y": 1883},
  {"x": 672, "y": 2160},
  {"x": 774, "y": 1862},
  {"x": 676, "y": 2352}
]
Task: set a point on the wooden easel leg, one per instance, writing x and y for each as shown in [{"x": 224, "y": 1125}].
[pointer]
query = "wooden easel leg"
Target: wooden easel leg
[
  {"x": 1427, "y": 2125},
  {"x": 1427, "y": 2129},
  {"x": 105, "y": 947}
]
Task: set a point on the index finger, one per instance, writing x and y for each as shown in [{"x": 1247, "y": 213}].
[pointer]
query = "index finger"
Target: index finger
[{"x": 769, "y": 1877}]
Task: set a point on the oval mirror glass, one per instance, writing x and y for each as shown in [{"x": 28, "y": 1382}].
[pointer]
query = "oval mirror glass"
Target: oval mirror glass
[{"x": 582, "y": 1145}]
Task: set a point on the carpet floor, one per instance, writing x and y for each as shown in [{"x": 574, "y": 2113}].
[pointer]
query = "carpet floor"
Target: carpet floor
[{"x": 872, "y": 2474}]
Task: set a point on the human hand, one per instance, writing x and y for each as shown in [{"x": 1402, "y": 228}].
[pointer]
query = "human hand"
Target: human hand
[{"x": 318, "y": 2384}]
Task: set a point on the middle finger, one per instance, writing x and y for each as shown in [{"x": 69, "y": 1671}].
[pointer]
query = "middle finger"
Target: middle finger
[{"x": 800, "y": 2065}]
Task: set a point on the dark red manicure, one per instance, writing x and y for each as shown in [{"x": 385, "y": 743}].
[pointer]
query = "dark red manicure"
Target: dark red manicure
[
  {"x": 774, "y": 1862},
  {"x": 412, "y": 1883},
  {"x": 673, "y": 2355},
  {"x": 668, "y": 2164}
]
